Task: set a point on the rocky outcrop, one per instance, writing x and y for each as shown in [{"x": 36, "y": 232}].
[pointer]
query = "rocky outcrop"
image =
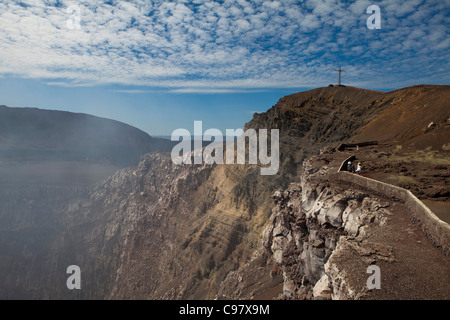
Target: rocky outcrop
[{"x": 309, "y": 224}]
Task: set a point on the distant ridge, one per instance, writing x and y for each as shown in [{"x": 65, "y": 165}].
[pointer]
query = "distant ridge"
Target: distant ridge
[{"x": 32, "y": 133}]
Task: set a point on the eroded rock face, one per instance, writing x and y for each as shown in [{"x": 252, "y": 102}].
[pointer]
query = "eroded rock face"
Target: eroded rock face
[
  {"x": 138, "y": 210},
  {"x": 313, "y": 221},
  {"x": 344, "y": 286}
]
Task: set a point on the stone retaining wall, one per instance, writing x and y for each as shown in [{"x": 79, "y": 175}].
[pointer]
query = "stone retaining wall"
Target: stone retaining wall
[{"x": 437, "y": 230}]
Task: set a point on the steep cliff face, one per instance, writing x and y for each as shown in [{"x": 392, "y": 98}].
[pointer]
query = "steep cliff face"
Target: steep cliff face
[
  {"x": 165, "y": 231},
  {"x": 129, "y": 222},
  {"x": 309, "y": 221}
]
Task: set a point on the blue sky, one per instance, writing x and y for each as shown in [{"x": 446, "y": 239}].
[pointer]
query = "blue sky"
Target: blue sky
[{"x": 160, "y": 65}]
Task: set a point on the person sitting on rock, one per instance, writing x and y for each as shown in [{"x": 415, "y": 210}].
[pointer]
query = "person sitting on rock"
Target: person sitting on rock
[{"x": 350, "y": 167}]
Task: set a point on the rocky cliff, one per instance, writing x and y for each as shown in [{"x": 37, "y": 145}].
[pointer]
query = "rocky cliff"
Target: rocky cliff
[{"x": 324, "y": 236}]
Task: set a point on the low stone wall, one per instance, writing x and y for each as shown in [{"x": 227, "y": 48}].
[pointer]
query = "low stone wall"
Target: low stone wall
[{"x": 437, "y": 230}]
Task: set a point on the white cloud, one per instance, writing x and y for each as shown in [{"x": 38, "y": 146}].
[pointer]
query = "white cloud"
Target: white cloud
[{"x": 228, "y": 45}]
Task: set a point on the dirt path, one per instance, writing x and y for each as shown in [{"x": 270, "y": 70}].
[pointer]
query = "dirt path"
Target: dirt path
[{"x": 419, "y": 270}]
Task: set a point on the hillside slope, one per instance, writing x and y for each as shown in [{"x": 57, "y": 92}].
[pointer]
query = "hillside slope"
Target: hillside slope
[{"x": 416, "y": 117}]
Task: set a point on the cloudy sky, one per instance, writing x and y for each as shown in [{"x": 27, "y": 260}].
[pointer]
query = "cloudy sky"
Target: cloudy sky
[{"x": 160, "y": 65}]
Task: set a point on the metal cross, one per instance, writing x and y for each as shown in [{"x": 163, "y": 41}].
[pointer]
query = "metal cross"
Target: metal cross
[{"x": 339, "y": 70}]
